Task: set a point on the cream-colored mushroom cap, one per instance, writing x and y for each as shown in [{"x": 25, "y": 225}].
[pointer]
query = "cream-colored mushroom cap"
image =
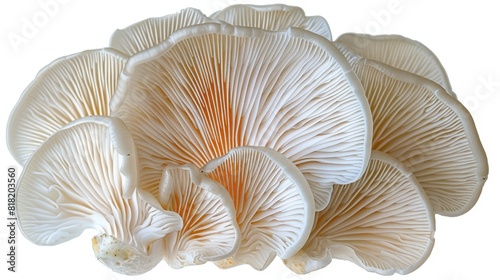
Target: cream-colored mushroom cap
[
  {"x": 274, "y": 17},
  {"x": 76, "y": 181},
  {"x": 430, "y": 132},
  {"x": 274, "y": 204},
  {"x": 399, "y": 52},
  {"x": 210, "y": 231},
  {"x": 383, "y": 223},
  {"x": 152, "y": 31},
  {"x": 69, "y": 88},
  {"x": 212, "y": 87}
]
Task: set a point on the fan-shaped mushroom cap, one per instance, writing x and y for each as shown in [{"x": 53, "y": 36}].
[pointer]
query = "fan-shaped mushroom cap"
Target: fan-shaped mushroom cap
[
  {"x": 273, "y": 202},
  {"x": 76, "y": 180},
  {"x": 69, "y": 88},
  {"x": 399, "y": 52},
  {"x": 210, "y": 231},
  {"x": 383, "y": 223},
  {"x": 432, "y": 133},
  {"x": 152, "y": 31},
  {"x": 273, "y": 17},
  {"x": 213, "y": 87}
]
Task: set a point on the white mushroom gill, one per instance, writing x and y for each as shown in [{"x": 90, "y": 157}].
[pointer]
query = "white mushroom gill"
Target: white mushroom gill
[
  {"x": 274, "y": 17},
  {"x": 69, "y": 88},
  {"x": 399, "y": 52},
  {"x": 152, "y": 31},
  {"x": 76, "y": 181},
  {"x": 274, "y": 204},
  {"x": 383, "y": 223},
  {"x": 210, "y": 231},
  {"x": 250, "y": 133},
  {"x": 419, "y": 123},
  {"x": 213, "y": 87}
]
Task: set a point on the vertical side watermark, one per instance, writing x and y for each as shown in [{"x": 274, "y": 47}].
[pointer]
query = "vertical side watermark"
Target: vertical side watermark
[{"x": 11, "y": 223}]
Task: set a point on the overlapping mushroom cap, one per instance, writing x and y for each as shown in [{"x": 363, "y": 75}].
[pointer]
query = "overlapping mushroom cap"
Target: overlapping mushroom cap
[
  {"x": 212, "y": 87},
  {"x": 274, "y": 204},
  {"x": 382, "y": 222},
  {"x": 420, "y": 124},
  {"x": 273, "y": 17},
  {"x": 399, "y": 52},
  {"x": 76, "y": 181},
  {"x": 69, "y": 88},
  {"x": 210, "y": 231},
  {"x": 251, "y": 134}
]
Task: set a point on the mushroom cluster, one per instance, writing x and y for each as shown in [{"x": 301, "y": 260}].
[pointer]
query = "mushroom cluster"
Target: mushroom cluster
[{"x": 241, "y": 136}]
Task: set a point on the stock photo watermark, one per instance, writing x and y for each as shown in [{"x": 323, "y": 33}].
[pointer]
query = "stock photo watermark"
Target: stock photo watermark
[
  {"x": 11, "y": 222},
  {"x": 30, "y": 26},
  {"x": 382, "y": 18},
  {"x": 221, "y": 4},
  {"x": 487, "y": 87}
]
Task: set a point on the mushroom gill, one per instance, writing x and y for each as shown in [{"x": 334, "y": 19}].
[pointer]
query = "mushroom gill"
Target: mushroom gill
[
  {"x": 69, "y": 88},
  {"x": 212, "y": 87},
  {"x": 382, "y": 222},
  {"x": 273, "y": 202},
  {"x": 98, "y": 161}
]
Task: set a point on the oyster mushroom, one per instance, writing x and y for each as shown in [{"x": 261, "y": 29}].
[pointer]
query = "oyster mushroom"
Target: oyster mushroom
[
  {"x": 383, "y": 223},
  {"x": 416, "y": 121},
  {"x": 274, "y": 17},
  {"x": 212, "y": 87},
  {"x": 152, "y": 31},
  {"x": 210, "y": 231},
  {"x": 76, "y": 180},
  {"x": 399, "y": 52},
  {"x": 69, "y": 88},
  {"x": 274, "y": 204}
]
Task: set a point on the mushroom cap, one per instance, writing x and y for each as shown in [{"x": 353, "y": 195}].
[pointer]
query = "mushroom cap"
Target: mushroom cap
[
  {"x": 419, "y": 123},
  {"x": 67, "y": 89},
  {"x": 383, "y": 223},
  {"x": 275, "y": 17},
  {"x": 144, "y": 34},
  {"x": 210, "y": 231},
  {"x": 399, "y": 52},
  {"x": 212, "y": 87},
  {"x": 274, "y": 204},
  {"x": 76, "y": 181}
]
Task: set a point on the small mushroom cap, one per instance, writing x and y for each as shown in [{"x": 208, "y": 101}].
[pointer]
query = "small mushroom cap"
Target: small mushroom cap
[
  {"x": 383, "y": 223},
  {"x": 152, "y": 31},
  {"x": 275, "y": 17},
  {"x": 210, "y": 231},
  {"x": 76, "y": 181},
  {"x": 274, "y": 204},
  {"x": 212, "y": 87},
  {"x": 431, "y": 132},
  {"x": 69, "y": 88},
  {"x": 399, "y": 52}
]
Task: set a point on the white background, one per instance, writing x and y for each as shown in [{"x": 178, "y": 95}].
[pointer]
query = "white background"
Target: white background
[{"x": 464, "y": 35}]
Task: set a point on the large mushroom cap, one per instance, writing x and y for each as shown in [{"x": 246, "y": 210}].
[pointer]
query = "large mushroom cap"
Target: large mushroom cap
[
  {"x": 152, "y": 31},
  {"x": 76, "y": 181},
  {"x": 383, "y": 223},
  {"x": 399, "y": 52},
  {"x": 212, "y": 87},
  {"x": 274, "y": 17},
  {"x": 69, "y": 88},
  {"x": 210, "y": 231},
  {"x": 432, "y": 133},
  {"x": 273, "y": 202}
]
